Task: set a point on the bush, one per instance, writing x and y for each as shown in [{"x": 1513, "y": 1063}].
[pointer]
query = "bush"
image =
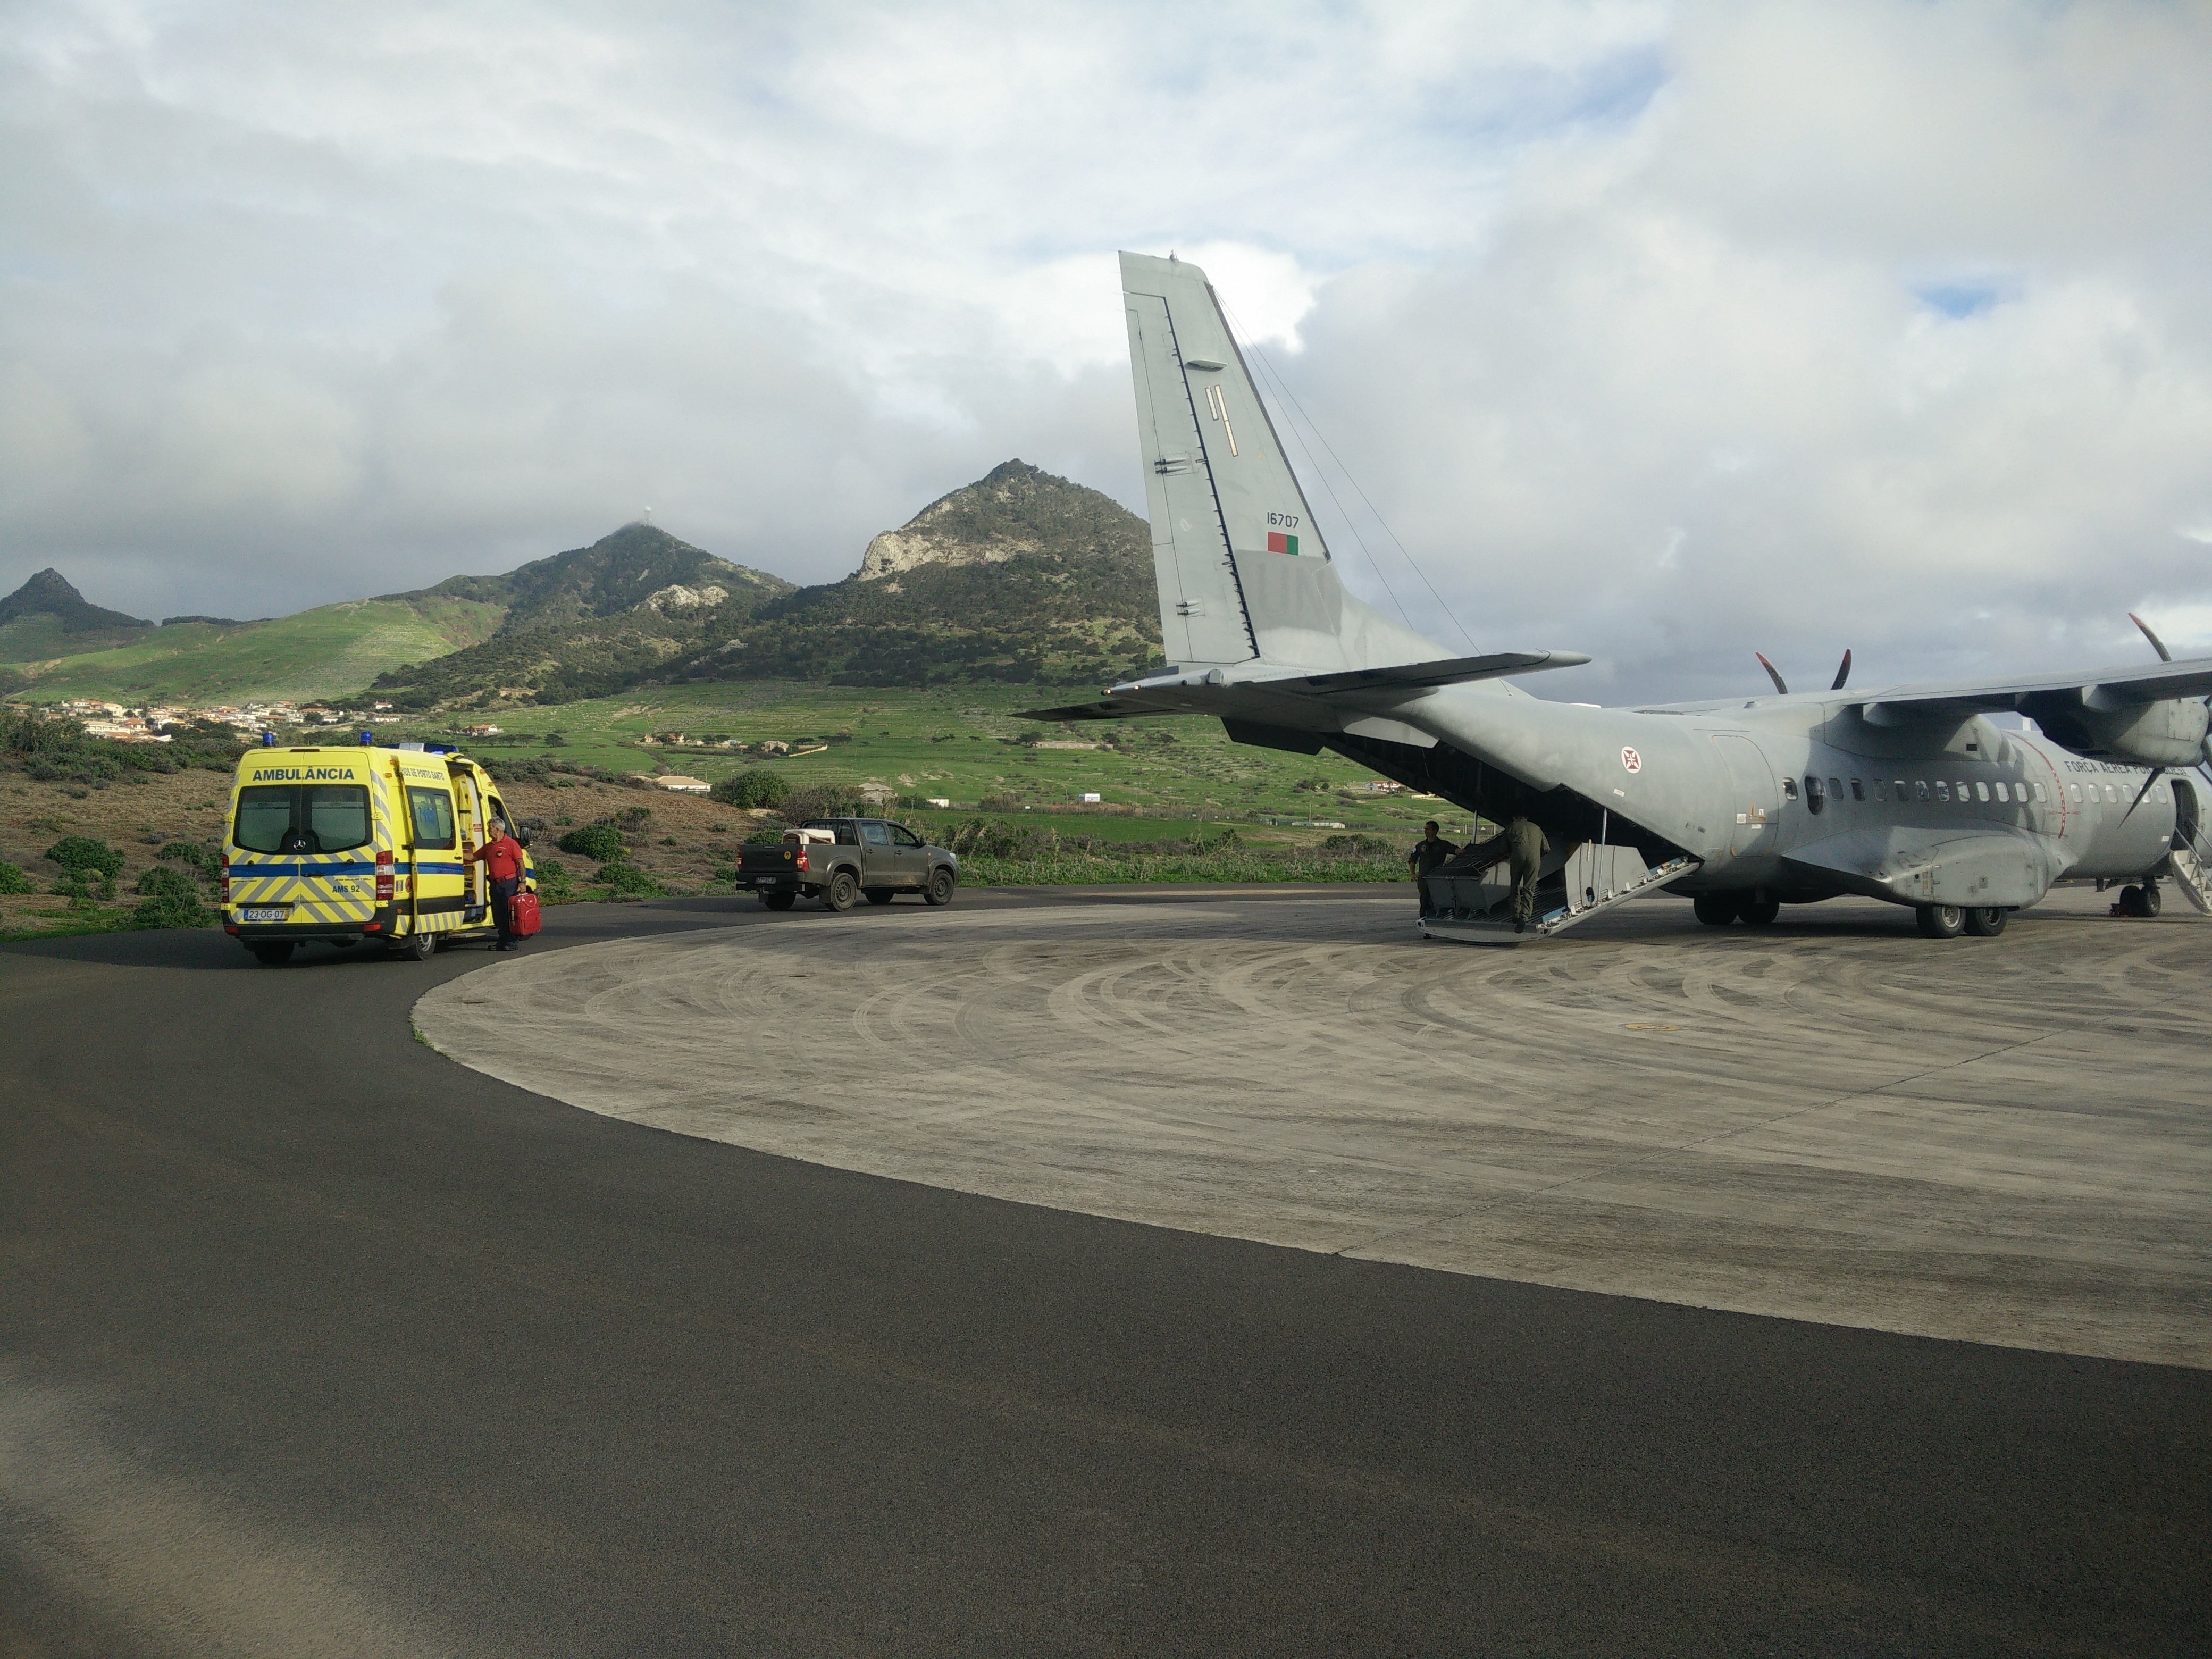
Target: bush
[
  {"x": 172, "y": 899},
  {"x": 553, "y": 883},
  {"x": 629, "y": 881},
  {"x": 599, "y": 841},
  {"x": 755, "y": 787},
  {"x": 13, "y": 880},
  {"x": 822, "y": 800},
  {"x": 205, "y": 859},
  {"x": 81, "y": 853},
  {"x": 631, "y": 817}
]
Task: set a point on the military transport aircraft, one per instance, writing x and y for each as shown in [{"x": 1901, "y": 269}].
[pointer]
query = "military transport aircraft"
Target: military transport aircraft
[{"x": 1908, "y": 794}]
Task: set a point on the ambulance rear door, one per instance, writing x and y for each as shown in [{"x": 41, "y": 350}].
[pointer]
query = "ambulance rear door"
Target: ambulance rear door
[{"x": 468, "y": 799}]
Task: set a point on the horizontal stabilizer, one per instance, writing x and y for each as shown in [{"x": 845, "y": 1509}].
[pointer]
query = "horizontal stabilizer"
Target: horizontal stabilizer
[{"x": 1219, "y": 691}]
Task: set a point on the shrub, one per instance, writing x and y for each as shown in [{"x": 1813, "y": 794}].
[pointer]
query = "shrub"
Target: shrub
[
  {"x": 631, "y": 817},
  {"x": 83, "y": 852},
  {"x": 13, "y": 880},
  {"x": 629, "y": 881},
  {"x": 755, "y": 787},
  {"x": 205, "y": 859},
  {"x": 600, "y": 842},
  {"x": 821, "y": 801},
  {"x": 553, "y": 882},
  {"x": 172, "y": 899}
]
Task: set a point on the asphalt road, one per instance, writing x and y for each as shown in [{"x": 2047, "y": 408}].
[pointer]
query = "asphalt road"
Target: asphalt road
[{"x": 312, "y": 1341}]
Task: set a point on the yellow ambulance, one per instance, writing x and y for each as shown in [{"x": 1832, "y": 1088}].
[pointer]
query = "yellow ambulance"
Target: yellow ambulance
[{"x": 355, "y": 844}]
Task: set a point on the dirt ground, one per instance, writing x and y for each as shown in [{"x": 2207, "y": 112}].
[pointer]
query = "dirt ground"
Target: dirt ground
[{"x": 138, "y": 816}]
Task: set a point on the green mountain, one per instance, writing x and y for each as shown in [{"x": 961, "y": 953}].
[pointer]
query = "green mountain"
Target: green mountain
[
  {"x": 1021, "y": 576},
  {"x": 325, "y": 652},
  {"x": 49, "y": 594},
  {"x": 585, "y": 623},
  {"x": 614, "y": 575}
]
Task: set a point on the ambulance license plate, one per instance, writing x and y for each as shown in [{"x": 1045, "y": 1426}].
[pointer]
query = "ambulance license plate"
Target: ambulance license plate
[{"x": 273, "y": 913}]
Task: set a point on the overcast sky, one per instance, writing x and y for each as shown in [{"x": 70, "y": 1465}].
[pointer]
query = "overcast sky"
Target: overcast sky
[{"x": 1660, "y": 332}]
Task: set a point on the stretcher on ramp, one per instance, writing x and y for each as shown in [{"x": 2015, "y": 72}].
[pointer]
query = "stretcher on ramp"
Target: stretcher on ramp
[{"x": 1584, "y": 881}]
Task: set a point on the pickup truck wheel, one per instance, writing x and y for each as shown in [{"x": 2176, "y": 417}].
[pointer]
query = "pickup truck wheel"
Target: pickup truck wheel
[
  {"x": 844, "y": 887},
  {"x": 779, "y": 901},
  {"x": 939, "y": 889},
  {"x": 880, "y": 895}
]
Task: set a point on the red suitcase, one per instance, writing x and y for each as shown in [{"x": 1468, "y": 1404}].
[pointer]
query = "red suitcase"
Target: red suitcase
[{"x": 522, "y": 915}]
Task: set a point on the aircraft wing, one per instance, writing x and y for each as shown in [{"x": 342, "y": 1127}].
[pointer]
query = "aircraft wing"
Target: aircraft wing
[
  {"x": 2101, "y": 689},
  {"x": 1217, "y": 690}
]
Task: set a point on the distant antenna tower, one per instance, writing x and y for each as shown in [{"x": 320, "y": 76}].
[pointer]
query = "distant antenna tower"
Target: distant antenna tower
[{"x": 648, "y": 515}]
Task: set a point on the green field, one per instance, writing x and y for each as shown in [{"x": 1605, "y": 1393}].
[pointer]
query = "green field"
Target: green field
[
  {"x": 325, "y": 652},
  {"x": 963, "y": 744}
]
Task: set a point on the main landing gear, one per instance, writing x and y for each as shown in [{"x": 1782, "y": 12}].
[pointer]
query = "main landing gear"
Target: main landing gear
[
  {"x": 1949, "y": 920},
  {"x": 2141, "y": 901},
  {"x": 1718, "y": 910}
]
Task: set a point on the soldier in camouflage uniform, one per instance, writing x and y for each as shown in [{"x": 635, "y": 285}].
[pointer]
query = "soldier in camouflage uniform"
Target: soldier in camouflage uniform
[{"x": 1528, "y": 844}]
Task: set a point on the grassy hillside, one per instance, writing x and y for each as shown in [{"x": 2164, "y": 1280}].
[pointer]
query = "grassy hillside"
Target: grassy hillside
[
  {"x": 963, "y": 743},
  {"x": 324, "y": 652}
]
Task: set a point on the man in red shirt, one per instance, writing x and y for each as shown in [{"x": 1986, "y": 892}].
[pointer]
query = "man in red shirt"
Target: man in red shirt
[{"x": 501, "y": 858}]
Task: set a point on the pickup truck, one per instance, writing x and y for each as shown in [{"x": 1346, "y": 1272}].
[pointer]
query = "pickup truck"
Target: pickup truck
[{"x": 838, "y": 860}]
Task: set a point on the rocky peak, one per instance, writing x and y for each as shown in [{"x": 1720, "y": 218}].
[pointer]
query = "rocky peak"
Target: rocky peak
[{"x": 1014, "y": 508}]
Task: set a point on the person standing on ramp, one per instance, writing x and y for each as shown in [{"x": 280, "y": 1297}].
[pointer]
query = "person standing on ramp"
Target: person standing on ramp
[
  {"x": 501, "y": 858},
  {"x": 1528, "y": 844},
  {"x": 1429, "y": 851}
]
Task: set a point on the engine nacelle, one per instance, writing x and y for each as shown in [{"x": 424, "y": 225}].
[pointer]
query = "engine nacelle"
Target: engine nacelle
[{"x": 2170, "y": 732}]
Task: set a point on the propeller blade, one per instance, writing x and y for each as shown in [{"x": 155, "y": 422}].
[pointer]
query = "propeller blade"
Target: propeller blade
[
  {"x": 2156, "y": 773},
  {"x": 1772, "y": 673},
  {"x": 2156, "y": 643},
  {"x": 1842, "y": 673}
]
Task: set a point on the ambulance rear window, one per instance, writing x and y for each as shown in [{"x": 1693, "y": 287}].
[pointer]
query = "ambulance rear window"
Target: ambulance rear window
[{"x": 316, "y": 817}]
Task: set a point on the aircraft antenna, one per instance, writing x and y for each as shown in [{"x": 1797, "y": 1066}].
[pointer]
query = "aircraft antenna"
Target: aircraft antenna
[{"x": 1349, "y": 478}]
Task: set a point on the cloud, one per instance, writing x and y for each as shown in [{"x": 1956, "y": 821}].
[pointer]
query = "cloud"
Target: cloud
[{"x": 1665, "y": 333}]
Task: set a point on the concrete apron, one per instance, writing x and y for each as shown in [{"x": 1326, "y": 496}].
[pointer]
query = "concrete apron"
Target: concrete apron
[{"x": 1997, "y": 1140}]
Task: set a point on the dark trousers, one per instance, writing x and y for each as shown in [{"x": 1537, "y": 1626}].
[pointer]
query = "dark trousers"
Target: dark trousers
[{"x": 502, "y": 892}]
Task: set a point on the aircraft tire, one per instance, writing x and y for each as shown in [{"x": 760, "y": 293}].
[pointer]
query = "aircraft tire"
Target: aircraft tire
[
  {"x": 1715, "y": 910},
  {"x": 1986, "y": 921},
  {"x": 2131, "y": 902},
  {"x": 1941, "y": 920},
  {"x": 779, "y": 901},
  {"x": 2151, "y": 904},
  {"x": 274, "y": 954},
  {"x": 840, "y": 892},
  {"x": 880, "y": 895},
  {"x": 1757, "y": 912}
]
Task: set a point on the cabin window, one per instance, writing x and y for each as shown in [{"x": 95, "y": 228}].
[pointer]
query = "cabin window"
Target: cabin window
[
  {"x": 2041, "y": 797},
  {"x": 1920, "y": 788},
  {"x": 1943, "y": 791},
  {"x": 2073, "y": 791},
  {"x": 1789, "y": 789},
  {"x": 2111, "y": 794},
  {"x": 432, "y": 811},
  {"x": 1814, "y": 800},
  {"x": 1981, "y": 791},
  {"x": 1858, "y": 790},
  {"x": 1899, "y": 785},
  {"x": 1835, "y": 788},
  {"x": 2000, "y": 792},
  {"x": 1880, "y": 790}
]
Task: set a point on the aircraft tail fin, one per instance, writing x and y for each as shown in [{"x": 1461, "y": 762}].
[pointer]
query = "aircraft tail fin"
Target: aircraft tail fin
[{"x": 1243, "y": 573}]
